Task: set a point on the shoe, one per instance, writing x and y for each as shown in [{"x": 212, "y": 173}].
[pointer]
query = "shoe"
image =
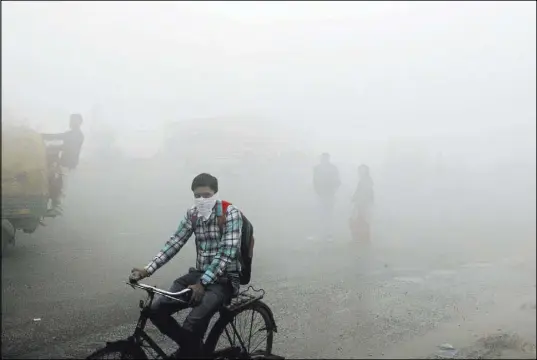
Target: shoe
[{"x": 178, "y": 354}]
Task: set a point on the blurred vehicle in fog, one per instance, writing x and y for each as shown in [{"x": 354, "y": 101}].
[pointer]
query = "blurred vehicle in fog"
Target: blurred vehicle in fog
[{"x": 26, "y": 181}]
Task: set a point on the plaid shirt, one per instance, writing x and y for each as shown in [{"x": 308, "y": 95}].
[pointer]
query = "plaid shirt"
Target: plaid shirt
[{"x": 217, "y": 254}]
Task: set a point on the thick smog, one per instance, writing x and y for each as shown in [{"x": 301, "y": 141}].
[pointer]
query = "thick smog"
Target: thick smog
[{"x": 360, "y": 176}]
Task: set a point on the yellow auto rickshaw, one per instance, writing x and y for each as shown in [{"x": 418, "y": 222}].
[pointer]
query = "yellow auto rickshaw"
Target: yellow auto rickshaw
[{"x": 25, "y": 182}]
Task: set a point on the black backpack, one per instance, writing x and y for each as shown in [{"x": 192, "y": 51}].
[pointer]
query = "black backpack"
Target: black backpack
[{"x": 247, "y": 242}]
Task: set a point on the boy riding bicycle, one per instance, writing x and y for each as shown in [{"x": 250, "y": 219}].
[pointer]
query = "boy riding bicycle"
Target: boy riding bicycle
[{"x": 216, "y": 277}]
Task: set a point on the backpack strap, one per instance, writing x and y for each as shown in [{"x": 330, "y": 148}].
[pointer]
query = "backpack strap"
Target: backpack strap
[
  {"x": 221, "y": 210},
  {"x": 194, "y": 219}
]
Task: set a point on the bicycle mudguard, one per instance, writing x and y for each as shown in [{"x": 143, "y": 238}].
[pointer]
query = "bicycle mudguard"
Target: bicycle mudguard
[
  {"x": 271, "y": 315},
  {"x": 260, "y": 304}
]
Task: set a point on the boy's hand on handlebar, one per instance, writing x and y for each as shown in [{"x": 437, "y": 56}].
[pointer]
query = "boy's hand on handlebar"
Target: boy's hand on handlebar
[
  {"x": 137, "y": 275},
  {"x": 197, "y": 293}
]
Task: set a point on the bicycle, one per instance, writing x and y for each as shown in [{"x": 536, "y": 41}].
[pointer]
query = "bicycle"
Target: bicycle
[{"x": 135, "y": 346}]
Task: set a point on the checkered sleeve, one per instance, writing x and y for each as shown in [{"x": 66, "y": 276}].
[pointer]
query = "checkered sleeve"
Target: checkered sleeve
[
  {"x": 227, "y": 247},
  {"x": 174, "y": 244}
]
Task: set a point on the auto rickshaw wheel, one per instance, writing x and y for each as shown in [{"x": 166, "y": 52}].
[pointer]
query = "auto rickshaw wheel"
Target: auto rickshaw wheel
[
  {"x": 8, "y": 237},
  {"x": 5, "y": 240}
]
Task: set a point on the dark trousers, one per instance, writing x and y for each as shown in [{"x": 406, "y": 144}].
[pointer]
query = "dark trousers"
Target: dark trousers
[
  {"x": 326, "y": 213},
  {"x": 190, "y": 335}
]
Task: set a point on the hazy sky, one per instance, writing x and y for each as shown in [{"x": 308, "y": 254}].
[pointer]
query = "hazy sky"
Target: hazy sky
[{"x": 388, "y": 68}]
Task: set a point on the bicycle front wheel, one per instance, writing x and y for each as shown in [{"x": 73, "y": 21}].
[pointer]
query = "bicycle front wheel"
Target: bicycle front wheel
[
  {"x": 250, "y": 330},
  {"x": 119, "y": 350}
]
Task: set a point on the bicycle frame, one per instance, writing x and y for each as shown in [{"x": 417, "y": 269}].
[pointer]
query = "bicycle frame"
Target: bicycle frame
[
  {"x": 140, "y": 336},
  {"x": 233, "y": 350}
]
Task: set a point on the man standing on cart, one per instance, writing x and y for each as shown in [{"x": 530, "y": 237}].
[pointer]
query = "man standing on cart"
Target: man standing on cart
[{"x": 65, "y": 155}]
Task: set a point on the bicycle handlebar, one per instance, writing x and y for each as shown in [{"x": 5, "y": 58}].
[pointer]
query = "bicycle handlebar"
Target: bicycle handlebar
[{"x": 152, "y": 289}]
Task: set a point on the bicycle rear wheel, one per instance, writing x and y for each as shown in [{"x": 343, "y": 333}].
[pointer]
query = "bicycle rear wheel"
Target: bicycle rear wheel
[
  {"x": 119, "y": 350},
  {"x": 255, "y": 332}
]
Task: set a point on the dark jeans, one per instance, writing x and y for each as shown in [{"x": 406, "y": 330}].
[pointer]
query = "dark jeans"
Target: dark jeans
[
  {"x": 190, "y": 335},
  {"x": 326, "y": 213}
]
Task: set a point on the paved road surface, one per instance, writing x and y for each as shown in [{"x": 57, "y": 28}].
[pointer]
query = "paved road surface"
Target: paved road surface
[
  {"x": 412, "y": 290},
  {"x": 330, "y": 300}
]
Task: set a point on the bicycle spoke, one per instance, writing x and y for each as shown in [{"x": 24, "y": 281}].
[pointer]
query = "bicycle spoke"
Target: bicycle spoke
[
  {"x": 251, "y": 329},
  {"x": 250, "y": 336},
  {"x": 229, "y": 337},
  {"x": 264, "y": 339}
]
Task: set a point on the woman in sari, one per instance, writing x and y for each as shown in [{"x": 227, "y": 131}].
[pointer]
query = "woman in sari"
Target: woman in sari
[{"x": 362, "y": 201}]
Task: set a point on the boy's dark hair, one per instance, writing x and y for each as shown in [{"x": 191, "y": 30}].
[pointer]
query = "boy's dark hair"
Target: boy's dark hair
[{"x": 205, "y": 179}]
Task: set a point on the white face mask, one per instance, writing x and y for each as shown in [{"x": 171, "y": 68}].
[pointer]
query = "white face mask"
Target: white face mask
[{"x": 205, "y": 206}]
